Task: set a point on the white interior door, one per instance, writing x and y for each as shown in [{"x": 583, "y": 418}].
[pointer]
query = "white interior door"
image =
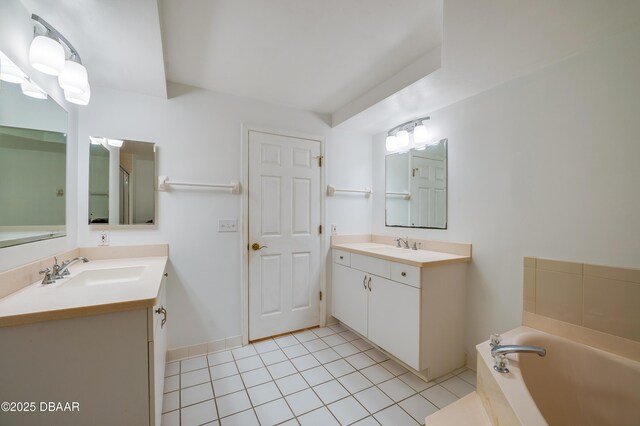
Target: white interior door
[
  {"x": 428, "y": 192},
  {"x": 284, "y": 240}
]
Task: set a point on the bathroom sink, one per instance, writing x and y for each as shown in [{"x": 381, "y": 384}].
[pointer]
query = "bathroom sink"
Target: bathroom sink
[{"x": 94, "y": 277}]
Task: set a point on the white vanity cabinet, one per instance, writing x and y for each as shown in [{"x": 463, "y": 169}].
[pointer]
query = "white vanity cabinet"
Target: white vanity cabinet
[{"x": 414, "y": 313}]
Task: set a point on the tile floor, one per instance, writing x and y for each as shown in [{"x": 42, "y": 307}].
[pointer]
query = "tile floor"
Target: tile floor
[{"x": 325, "y": 376}]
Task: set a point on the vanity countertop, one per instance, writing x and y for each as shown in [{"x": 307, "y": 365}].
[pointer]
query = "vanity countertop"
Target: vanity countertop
[
  {"x": 122, "y": 284},
  {"x": 419, "y": 258}
]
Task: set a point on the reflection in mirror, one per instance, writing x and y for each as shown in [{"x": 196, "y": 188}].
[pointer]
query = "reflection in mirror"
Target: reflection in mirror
[
  {"x": 416, "y": 187},
  {"x": 32, "y": 162},
  {"x": 121, "y": 182}
]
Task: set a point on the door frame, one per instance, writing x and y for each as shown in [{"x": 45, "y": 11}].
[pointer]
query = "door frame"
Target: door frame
[{"x": 244, "y": 211}]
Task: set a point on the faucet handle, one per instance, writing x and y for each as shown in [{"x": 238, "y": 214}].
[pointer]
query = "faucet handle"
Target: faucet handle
[
  {"x": 500, "y": 363},
  {"x": 45, "y": 271},
  {"x": 496, "y": 339}
]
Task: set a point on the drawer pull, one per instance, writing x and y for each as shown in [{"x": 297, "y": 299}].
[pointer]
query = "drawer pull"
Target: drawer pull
[
  {"x": 341, "y": 257},
  {"x": 369, "y": 283},
  {"x": 163, "y": 311},
  {"x": 364, "y": 282},
  {"x": 166, "y": 274},
  {"x": 404, "y": 274}
]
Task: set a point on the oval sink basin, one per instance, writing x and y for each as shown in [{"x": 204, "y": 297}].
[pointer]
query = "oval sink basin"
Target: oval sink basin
[{"x": 93, "y": 277}]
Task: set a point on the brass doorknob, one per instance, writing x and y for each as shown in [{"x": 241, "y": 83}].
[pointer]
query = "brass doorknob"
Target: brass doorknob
[{"x": 256, "y": 247}]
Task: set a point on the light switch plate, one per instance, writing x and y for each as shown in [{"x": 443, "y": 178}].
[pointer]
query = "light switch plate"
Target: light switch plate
[{"x": 227, "y": 225}]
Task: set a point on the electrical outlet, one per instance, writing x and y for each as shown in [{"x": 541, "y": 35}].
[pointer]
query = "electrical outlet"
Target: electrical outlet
[
  {"x": 334, "y": 229},
  {"x": 104, "y": 238},
  {"x": 227, "y": 225}
]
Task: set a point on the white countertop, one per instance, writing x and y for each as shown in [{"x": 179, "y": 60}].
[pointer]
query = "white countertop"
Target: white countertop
[
  {"x": 419, "y": 258},
  {"x": 38, "y": 302}
]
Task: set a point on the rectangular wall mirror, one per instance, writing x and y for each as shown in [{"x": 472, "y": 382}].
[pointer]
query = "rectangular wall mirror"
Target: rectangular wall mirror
[
  {"x": 33, "y": 160},
  {"x": 121, "y": 182},
  {"x": 416, "y": 187}
]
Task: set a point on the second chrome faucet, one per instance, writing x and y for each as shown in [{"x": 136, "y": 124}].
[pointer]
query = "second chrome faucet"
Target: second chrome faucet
[{"x": 59, "y": 271}]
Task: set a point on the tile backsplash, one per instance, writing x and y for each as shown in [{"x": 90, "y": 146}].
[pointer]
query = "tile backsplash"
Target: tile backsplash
[{"x": 601, "y": 298}]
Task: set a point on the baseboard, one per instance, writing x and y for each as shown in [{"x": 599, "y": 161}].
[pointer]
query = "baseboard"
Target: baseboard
[{"x": 204, "y": 348}]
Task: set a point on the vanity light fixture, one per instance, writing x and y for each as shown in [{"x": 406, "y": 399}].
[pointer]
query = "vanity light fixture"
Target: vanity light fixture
[
  {"x": 412, "y": 134},
  {"x": 9, "y": 71},
  {"x": 31, "y": 89},
  {"x": 115, "y": 142},
  {"x": 47, "y": 54},
  {"x": 97, "y": 141}
]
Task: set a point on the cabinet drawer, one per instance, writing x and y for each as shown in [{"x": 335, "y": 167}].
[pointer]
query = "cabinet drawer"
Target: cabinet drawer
[
  {"x": 371, "y": 265},
  {"x": 342, "y": 257},
  {"x": 406, "y": 274}
]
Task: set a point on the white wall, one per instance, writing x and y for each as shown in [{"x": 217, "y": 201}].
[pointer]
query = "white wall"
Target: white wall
[
  {"x": 546, "y": 165},
  {"x": 198, "y": 134}
]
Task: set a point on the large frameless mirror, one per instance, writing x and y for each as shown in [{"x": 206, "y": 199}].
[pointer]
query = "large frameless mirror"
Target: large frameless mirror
[
  {"x": 121, "y": 182},
  {"x": 33, "y": 158},
  {"x": 416, "y": 187}
]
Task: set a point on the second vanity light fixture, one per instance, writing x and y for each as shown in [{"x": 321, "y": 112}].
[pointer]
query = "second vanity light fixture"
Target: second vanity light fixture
[
  {"x": 47, "y": 54},
  {"x": 412, "y": 134}
]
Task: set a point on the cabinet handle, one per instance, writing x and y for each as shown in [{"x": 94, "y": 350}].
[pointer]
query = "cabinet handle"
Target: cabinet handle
[
  {"x": 404, "y": 274},
  {"x": 364, "y": 282},
  {"x": 369, "y": 283},
  {"x": 166, "y": 274},
  {"x": 163, "y": 311},
  {"x": 341, "y": 257}
]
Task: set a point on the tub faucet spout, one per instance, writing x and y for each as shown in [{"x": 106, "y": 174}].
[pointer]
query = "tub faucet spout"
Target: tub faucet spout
[{"x": 517, "y": 349}]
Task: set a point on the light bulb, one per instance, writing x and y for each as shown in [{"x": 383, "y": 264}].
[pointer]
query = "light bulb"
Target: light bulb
[
  {"x": 115, "y": 142},
  {"x": 420, "y": 134},
  {"x": 78, "y": 98},
  {"x": 73, "y": 78},
  {"x": 96, "y": 141},
  {"x": 47, "y": 55},
  {"x": 9, "y": 71},
  {"x": 403, "y": 139},
  {"x": 391, "y": 143},
  {"x": 29, "y": 88}
]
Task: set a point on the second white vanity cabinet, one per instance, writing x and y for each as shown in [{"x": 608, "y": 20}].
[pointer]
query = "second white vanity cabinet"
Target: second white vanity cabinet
[{"x": 414, "y": 313}]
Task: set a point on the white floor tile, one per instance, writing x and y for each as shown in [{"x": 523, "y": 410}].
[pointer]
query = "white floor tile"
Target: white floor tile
[
  {"x": 282, "y": 369},
  {"x": 338, "y": 328},
  {"x": 170, "y": 419},
  {"x": 361, "y": 344},
  {"x": 320, "y": 417},
  {"x": 377, "y": 374},
  {"x": 295, "y": 351},
  {"x": 354, "y": 382},
  {"x": 195, "y": 394},
  {"x": 171, "y": 383},
  {"x": 233, "y": 403},
  {"x": 334, "y": 340},
  {"x": 469, "y": 376},
  {"x": 326, "y": 355},
  {"x": 439, "y": 396},
  {"x": 249, "y": 363},
  {"x": 292, "y": 422},
  {"x": 194, "y": 377},
  {"x": 305, "y": 336},
  {"x": 376, "y": 355},
  {"x": 273, "y": 412},
  {"x": 244, "y": 352},
  {"x": 315, "y": 345},
  {"x": 330, "y": 391},
  {"x": 396, "y": 389},
  {"x": 305, "y": 362},
  {"x": 349, "y": 335},
  {"x": 373, "y": 399},
  {"x": 457, "y": 386},
  {"x": 265, "y": 346},
  {"x": 395, "y": 368},
  {"x": 394, "y": 416},
  {"x": 286, "y": 341},
  {"x": 223, "y": 370},
  {"x": 303, "y": 402},
  {"x": 193, "y": 364},
  {"x": 316, "y": 375},
  {"x": 367, "y": 421},
  {"x": 418, "y": 408},
  {"x": 199, "y": 413},
  {"x": 227, "y": 385},
  {"x": 339, "y": 368},
  {"x": 291, "y": 384},
  {"x": 273, "y": 357},
  {"x": 415, "y": 382},
  {"x": 348, "y": 410},
  {"x": 458, "y": 371},
  {"x": 256, "y": 377},
  {"x": 443, "y": 378},
  {"x": 263, "y": 393},
  {"x": 220, "y": 358},
  {"x": 323, "y": 332},
  {"x": 171, "y": 369},
  {"x": 244, "y": 418},
  {"x": 346, "y": 349},
  {"x": 360, "y": 361},
  {"x": 170, "y": 401}
]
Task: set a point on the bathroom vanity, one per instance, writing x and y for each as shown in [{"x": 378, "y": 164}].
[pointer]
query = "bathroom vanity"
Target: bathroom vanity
[
  {"x": 409, "y": 303},
  {"x": 97, "y": 338}
]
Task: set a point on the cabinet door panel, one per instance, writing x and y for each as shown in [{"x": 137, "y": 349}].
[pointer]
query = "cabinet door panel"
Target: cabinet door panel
[
  {"x": 350, "y": 298},
  {"x": 394, "y": 319}
]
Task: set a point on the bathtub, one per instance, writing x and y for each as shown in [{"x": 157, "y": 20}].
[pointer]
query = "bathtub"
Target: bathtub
[{"x": 574, "y": 384}]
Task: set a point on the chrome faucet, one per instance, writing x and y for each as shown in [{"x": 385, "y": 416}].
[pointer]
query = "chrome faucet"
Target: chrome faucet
[
  {"x": 60, "y": 271},
  {"x": 405, "y": 242},
  {"x": 48, "y": 278},
  {"x": 499, "y": 352}
]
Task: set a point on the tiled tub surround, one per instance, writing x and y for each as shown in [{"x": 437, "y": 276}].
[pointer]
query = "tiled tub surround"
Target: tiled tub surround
[{"x": 324, "y": 376}]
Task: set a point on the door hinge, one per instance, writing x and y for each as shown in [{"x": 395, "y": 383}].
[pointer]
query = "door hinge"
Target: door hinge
[
  {"x": 320, "y": 159},
  {"x": 320, "y": 229},
  {"x": 320, "y": 295}
]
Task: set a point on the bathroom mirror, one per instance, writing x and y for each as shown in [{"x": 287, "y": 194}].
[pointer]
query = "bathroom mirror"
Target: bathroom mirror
[
  {"x": 121, "y": 182},
  {"x": 416, "y": 187},
  {"x": 33, "y": 158}
]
